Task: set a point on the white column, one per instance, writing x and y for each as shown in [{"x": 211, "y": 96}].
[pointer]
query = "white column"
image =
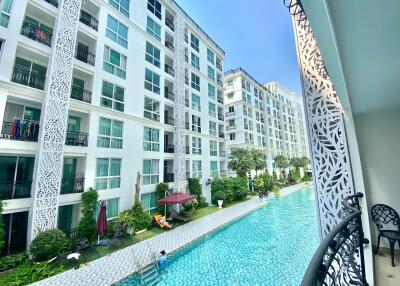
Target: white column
[{"x": 49, "y": 159}]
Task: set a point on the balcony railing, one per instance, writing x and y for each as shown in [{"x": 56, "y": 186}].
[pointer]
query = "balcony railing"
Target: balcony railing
[
  {"x": 169, "y": 69},
  {"x": 168, "y": 94},
  {"x": 186, "y": 80},
  {"x": 29, "y": 78},
  {"x": 169, "y": 148},
  {"x": 219, "y": 66},
  {"x": 229, "y": 113},
  {"x": 339, "y": 260},
  {"x": 230, "y": 127},
  {"x": 72, "y": 186},
  {"x": 187, "y": 125},
  {"x": 186, "y": 58},
  {"x": 53, "y": 2},
  {"x": 169, "y": 45},
  {"x": 187, "y": 149},
  {"x": 186, "y": 102},
  {"x": 222, "y": 173},
  {"x": 76, "y": 139},
  {"x": 222, "y": 154},
  {"x": 21, "y": 130},
  {"x": 221, "y": 116},
  {"x": 221, "y": 135},
  {"x": 85, "y": 56},
  {"x": 219, "y": 82},
  {"x": 220, "y": 99},
  {"x": 169, "y": 24},
  {"x": 89, "y": 20},
  {"x": 81, "y": 94},
  {"x": 186, "y": 38},
  {"x": 15, "y": 190},
  {"x": 36, "y": 33},
  {"x": 71, "y": 233},
  {"x": 168, "y": 177},
  {"x": 169, "y": 120}
]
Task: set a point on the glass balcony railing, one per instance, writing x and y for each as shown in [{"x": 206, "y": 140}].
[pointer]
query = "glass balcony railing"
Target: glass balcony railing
[
  {"x": 169, "y": 120},
  {"x": 170, "y": 24},
  {"x": 72, "y": 186},
  {"x": 21, "y": 130},
  {"x": 76, "y": 139},
  {"x": 36, "y": 33},
  {"x": 89, "y": 20},
  {"x": 169, "y": 70},
  {"x": 169, "y": 45},
  {"x": 15, "y": 190},
  {"x": 28, "y": 78},
  {"x": 81, "y": 94}
]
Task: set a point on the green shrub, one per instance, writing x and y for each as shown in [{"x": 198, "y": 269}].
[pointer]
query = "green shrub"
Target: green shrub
[
  {"x": 13, "y": 260},
  {"x": 307, "y": 178},
  {"x": 161, "y": 189},
  {"x": 28, "y": 273},
  {"x": 125, "y": 220},
  {"x": 142, "y": 218},
  {"x": 87, "y": 225},
  {"x": 220, "y": 195},
  {"x": 276, "y": 192},
  {"x": 190, "y": 206},
  {"x": 240, "y": 188},
  {"x": 2, "y": 242},
  {"x": 48, "y": 244},
  {"x": 202, "y": 202},
  {"x": 194, "y": 187}
]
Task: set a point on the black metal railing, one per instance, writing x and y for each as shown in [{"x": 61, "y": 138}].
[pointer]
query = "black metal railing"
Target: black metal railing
[
  {"x": 339, "y": 260},
  {"x": 71, "y": 233},
  {"x": 219, "y": 82},
  {"x": 186, "y": 102},
  {"x": 21, "y": 130},
  {"x": 85, "y": 56},
  {"x": 168, "y": 94},
  {"x": 169, "y": 45},
  {"x": 89, "y": 20},
  {"x": 72, "y": 186},
  {"x": 76, "y": 139},
  {"x": 170, "y": 24},
  {"x": 81, "y": 94},
  {"x": 169, "y": 120},
  {"x": 187, "y": 149},
  {"x": 187, "y": 127},
  {"x": 15, "y": 190},
  {"x": 221, "y": 135},
  {"x": 53, "y": 2},
  {"x": 186, "y": 80},
  {"x": 169, "y": 148},
  {"x": 29, "y": 78},
  {"x": 169, "y": 69},
  {"x": 186, "y": 38},
  {"x": 221, "y": 116},
  {"x": 219, "y": 66},
  {"x": 36, "y": 33},
  {"x": 220, "y": 99},
  {"x": 168, "y": 177},
  {"x": 186, "y": 58}
]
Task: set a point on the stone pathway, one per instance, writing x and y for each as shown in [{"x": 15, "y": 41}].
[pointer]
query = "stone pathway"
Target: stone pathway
[{"x": 117, "y": 266}]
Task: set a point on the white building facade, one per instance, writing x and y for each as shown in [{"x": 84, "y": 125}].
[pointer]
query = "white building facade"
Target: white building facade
[
  {"x": 142, "y": 92},
  {"x": 266, "y": 117}
]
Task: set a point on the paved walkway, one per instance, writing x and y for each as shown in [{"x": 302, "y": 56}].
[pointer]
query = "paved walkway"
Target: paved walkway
[{"x": 120, "y": 264}]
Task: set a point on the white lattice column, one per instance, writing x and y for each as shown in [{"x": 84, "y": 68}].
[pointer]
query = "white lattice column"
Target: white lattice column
[
  {"x": 179, "y": 90},
  {"x": 327, "y": 138},
  {"x": 53, "y": 123}
]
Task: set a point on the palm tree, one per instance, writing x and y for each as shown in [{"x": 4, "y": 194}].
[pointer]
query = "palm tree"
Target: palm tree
[
  {"x": 258, "y": 157},
  {"x": 281, "y": 162},
  {"x": 241, "y": 162}
]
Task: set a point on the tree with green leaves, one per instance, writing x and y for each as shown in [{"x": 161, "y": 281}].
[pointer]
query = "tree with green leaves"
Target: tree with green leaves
[
  {"x": 281, "y": 162},
  {"x": 240, "y": 161},
  {"x": 304, "y": 162},
  {"x": 296, "y": 164},
  {"x": 258, "y": 157},
  {"x": 87, "y": 224}
]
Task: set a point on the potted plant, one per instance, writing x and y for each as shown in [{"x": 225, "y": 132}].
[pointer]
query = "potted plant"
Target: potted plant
[{"x": 220, "y": 197}]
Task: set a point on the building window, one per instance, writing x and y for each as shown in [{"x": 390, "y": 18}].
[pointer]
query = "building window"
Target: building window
[
  {"x": 151, "y": 139},
  {"x": 112, "y": 208},
  {"x": 230, "y": 95},
  {"x": 211, "y": 73},
  {"x": 112, "y": 96},
  {"x": 212, "y": 128},
  {"x": 152, "y": 54},
  {"x": 214, "y": 169},
  {"x": 196, "y": 102},
  {"x": 151, "y": 109},
  {"x": 195, "y": 82},
  {"x": 210, "y": 56},
  {"x": 114, "y": 62},
  {"x": 117, "y": 32},
  {"x": 196, "y": 123},
  {"x": 211, "y": 91},
  {"x": 153, "y": 29},
  {"x": 5, "y": 12},
  {"x": 149, "y": 202},
  {"x": 196, "y": 146},
  {"x": 212, "y": 109},
  {"x": 230, "y": 82},
  {"x": 110, "y": 133},
  {"x": 196, "y": 169},
  {"x": 232, "y": 136},
  {"x": 150, "y": 172},
  {"x": 154, "y": 7},
  {"x": 194, "y": 42},
  {"x": 195, "y": 61},
  {"x": 152, "y": 81},
  {"x": 108, "y": 173},
  {"x": 213, "y": 148},
  {"x": 121, "y": 5}
]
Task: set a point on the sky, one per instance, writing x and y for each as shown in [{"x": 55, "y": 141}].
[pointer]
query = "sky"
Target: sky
[{"x": 256, "y": 35}]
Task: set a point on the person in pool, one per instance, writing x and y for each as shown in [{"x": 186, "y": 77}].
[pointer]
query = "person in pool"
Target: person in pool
[{"x": 162, "y": 260}]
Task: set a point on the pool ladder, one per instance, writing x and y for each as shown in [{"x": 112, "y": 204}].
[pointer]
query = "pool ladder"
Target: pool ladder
[{"x": 149, "y": 275}]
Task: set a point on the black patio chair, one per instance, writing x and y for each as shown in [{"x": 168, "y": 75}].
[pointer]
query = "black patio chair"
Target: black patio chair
[
  {"x": 85, "y": 248},
  {"x": 121, "y": 235},
  {"x": 387, "y": 221}
]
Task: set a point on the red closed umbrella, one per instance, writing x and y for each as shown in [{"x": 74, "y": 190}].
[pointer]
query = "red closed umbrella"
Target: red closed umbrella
[
  {"x": 176, "y": 198},
  {"x": 101, "y": 227}
]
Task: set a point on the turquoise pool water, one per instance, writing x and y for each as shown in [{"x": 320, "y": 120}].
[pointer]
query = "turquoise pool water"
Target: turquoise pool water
[{"x": 271, "y": 246}]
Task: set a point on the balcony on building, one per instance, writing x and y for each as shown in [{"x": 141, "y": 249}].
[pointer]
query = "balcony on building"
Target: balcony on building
[
  {"x": 169, "y": 142},
  {"x": 169, "y": 20},
  {"x": 222, "y": 169},
  {"x": 219, "y": 79},
  {"x": 187, "y": 166},
  {"x": 169, "y": 66},
  {"x": 221, "y": 131},
  {"x": 169, "y": 42},
  {"x": 168, "y": 171},
  {"x": 186, "y": 76},
  {"x": 85, "y": 46},
  {"x": 77, "y": 129},
  {"x": 186, "y": 55},
  {"x": 231, "y": 127},
  {"x": 81, "y": 86},
  {"x": 68, "y": 219},
  {"x": 38, "y": 25},
  {"x": 221, "y": 113},
  {"x": 187, "y": 144},
  {"x": 229, "y": 113},
  {"x": 221, "y": 149},
  {"x": 169, "y": 115},
  {"x": 21, "y": 121},
  {"x": 89, "y": 15},
  {"x": 52, "y": 2},
  {"x": 169, "y": 90},
  {"x": 220, "y": 97},
  {"x": 219, "y": 64},
  {"x": 187, "y": 103},
  {"x": 16, "y": 173},
  {"x": 187, "y": 122},
  {"x": 73, "y": 178},
  {"x": 29, "y": 69},
  {"x": 186, "y": 35}
]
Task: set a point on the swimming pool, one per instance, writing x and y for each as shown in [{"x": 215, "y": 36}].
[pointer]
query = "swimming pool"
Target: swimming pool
[{"x": 271, "y": 246}]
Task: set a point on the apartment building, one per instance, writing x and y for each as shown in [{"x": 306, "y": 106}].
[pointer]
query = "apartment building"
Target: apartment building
[
  {"x": 145, "y": 95},
  {"x": 267, "y": 117}
]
